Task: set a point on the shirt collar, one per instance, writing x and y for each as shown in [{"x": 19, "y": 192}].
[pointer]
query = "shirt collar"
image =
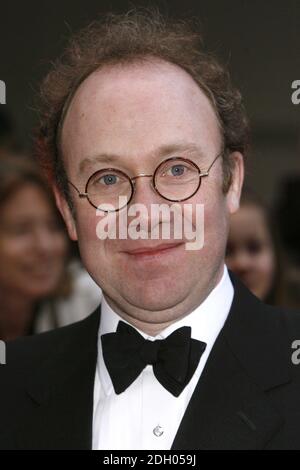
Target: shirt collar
[{"x": 206, "y": 322}]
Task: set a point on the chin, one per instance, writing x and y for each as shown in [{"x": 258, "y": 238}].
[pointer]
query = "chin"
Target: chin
[{"x": 154, "y": 297}]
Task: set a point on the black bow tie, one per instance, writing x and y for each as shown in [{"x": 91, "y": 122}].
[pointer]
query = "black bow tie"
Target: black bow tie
[{"x": 174, "y": 359}]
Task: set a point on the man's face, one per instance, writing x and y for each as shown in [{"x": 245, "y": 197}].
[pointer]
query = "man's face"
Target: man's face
[{"x": 129, "y": 113}]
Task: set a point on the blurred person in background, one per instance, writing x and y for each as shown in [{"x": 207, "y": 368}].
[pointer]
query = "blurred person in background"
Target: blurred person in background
[
  {"x": 39, "y": 288},
  {"x": 253, "y": 252}
]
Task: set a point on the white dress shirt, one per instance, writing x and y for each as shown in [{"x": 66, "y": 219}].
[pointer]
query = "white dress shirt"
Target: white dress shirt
[{"x": 146, "y": 415}]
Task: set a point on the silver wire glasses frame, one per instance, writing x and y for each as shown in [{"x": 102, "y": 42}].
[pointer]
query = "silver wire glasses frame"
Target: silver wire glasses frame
[{"x": 131, "y": 181}]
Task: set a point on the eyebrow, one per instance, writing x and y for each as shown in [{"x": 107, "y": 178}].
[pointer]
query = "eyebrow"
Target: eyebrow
[{"x": 162, "y": 151}]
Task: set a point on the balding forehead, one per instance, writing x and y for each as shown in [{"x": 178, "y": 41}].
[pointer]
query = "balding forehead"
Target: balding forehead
[
  {"x": 133, "y": 104},
  {"x": 115, "y": 77}
]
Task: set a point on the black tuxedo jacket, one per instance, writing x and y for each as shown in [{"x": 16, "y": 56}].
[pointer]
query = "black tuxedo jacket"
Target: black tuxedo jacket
[{"x": 248, "y": 396}]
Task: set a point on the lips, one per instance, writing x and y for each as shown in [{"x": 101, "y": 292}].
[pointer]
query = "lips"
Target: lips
[
  {"x": 42, "y": 269},
  {"x": 152, "y": 249}
]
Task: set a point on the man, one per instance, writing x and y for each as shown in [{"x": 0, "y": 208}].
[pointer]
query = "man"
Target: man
[{"x": 180, "y": 355}]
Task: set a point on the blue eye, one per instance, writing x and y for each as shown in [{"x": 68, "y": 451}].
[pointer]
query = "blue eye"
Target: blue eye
[
  {"x": 108, "y": 179},
  {"x": 177, "y": 170}
]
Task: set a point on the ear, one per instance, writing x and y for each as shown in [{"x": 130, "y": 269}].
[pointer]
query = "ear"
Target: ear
[
  {"x": 234, "y": 193},
  {"x": 66, "y": 213}
]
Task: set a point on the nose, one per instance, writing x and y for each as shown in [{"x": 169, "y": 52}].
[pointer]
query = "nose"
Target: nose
[
  {"x": 144, "y": 190},
  {"x": 145, "y": 196},
  {"x": 241, "y": 262}
]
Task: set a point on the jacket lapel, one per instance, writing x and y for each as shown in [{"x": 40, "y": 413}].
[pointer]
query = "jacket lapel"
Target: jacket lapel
[
  {"x": 61, "y": 394},
  {"x": 231, "y": 406}
]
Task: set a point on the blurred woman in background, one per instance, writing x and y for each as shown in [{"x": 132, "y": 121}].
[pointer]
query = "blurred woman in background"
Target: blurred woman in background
[
  {"x": 253, "y": 252},
  {"x": 38, "y": 289}
]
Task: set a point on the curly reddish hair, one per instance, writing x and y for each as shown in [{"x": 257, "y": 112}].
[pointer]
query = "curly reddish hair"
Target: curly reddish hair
[{"x": 131, "y": 37}]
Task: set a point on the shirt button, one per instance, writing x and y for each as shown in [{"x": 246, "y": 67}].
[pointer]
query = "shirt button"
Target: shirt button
[{"x": 158, "y": 431}]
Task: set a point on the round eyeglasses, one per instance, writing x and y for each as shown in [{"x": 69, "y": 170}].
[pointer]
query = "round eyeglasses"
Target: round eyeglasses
[{"x": 175, "y": 179}]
